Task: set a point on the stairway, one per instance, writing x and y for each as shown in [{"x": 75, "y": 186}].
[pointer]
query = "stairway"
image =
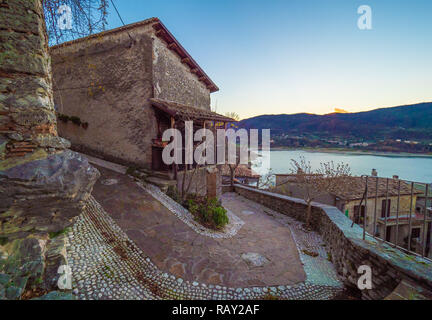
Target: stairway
[{"x": 161, "y": 179}]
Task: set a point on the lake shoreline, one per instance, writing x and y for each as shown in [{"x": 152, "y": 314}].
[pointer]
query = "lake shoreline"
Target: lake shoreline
[{"x": 355, "y": 152}]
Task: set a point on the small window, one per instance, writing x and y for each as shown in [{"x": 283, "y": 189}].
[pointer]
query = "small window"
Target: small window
[
  {"x": 359, "y": 213},
  {"x": 415, "y": 233}
]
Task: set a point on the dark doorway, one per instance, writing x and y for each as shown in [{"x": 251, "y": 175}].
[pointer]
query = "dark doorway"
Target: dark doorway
[
  {"x": 388, "y": 233},
  {"x": 359, "y": 214},
  {"x": 385, "y": 208}
]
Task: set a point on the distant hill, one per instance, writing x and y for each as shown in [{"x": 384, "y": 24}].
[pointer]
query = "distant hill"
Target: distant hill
[{"x": 402, "y": 122}]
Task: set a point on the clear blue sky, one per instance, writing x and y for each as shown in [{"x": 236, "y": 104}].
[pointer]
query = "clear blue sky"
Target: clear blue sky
[{"x": 290, "y": 56}]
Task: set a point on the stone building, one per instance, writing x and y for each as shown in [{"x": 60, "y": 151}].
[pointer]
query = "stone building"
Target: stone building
[
  {"x": 242, "y": 174},
  {"x": 117, "y": 91},
  {"x": 382, "y": 201}
]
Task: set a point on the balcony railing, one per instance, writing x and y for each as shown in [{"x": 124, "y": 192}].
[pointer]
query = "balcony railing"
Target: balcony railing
[{"x": 379, "y": 196}]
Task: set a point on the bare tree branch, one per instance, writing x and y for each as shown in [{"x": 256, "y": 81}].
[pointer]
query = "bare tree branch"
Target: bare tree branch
[{"x": 89, "y": 16}]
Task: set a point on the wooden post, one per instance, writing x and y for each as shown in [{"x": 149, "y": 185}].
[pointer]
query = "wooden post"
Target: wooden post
[
  {"x": 174, "y": 166},
  {"x": 205, "y": 141}
]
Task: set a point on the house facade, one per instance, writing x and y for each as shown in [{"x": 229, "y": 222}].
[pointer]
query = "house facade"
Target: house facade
[
  {"x": 117, "y": 91},
  {"x": 394, "y": 209}
]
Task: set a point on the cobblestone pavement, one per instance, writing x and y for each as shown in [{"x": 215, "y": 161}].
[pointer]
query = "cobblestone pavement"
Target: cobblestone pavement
[
  {"x": 178, "y": 247},
  {"x": 107, "y": 264}
]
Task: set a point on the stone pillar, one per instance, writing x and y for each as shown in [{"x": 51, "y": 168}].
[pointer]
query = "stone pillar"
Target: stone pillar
[
  {"x": 43, "y": 185},
  {"x": 27, "y": 116}
]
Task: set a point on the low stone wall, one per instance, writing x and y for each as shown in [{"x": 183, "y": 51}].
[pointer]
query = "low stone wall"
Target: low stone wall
[
  {"x": 348, "y": 249},
  {"x": 227, "y": 188}
]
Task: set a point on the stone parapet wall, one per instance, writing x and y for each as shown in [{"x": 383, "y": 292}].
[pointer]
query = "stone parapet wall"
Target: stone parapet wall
[{"x": 348, "y": 249}]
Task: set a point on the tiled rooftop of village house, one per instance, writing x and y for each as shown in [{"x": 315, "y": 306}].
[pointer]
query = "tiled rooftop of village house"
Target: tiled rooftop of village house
[
  {"x": 355, "y": 187},
  {"x": 241, "y": 170}
]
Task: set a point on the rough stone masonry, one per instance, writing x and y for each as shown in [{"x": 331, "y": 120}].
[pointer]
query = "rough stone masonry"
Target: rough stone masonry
[{"x": 43, "y": 186}]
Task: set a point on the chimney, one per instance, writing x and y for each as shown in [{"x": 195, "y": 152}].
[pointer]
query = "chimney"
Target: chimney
[{"x": 374, "y": 173}]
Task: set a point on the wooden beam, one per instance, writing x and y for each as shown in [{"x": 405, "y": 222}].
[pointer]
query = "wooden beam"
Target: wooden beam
[
  {"x": 172, "y": 45},
  {"x": 202, "y": 78},
  {"x": 194, "y": 70},
  {"x": 160, "y": 32},
  {"x": 186, "y": 60}
]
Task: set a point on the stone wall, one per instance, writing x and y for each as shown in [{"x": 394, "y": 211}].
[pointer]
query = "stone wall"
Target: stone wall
[
  {"x": 43, "y": 187},
  {"x": 106, "y": 82},
  {"x": 199, "y": 181},
  {"x": 173, "y": 80},
  {"x": 348, "y": 249}
]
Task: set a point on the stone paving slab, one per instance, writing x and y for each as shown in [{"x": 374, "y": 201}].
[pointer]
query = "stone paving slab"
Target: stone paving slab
[
  {"x": 112, "y": 258},
  {"x": 319, "y": 270},
  {"x": 177, "y": 248},
  {"x": 106, "y": 265}
]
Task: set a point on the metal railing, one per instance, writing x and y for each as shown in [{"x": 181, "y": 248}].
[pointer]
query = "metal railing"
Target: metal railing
[{"x": 411, "y": 213}]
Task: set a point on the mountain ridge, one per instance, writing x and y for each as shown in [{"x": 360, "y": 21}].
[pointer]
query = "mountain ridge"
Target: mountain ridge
[{"x": 399, "y": 122}]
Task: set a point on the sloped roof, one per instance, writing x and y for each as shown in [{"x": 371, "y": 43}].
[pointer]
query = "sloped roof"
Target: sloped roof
[
  {"x": 355, "y": 187},
  {"x": 161, "y": 32},
  {"x": 181, "y": 111},
  {"x": 241, "y": 171}
]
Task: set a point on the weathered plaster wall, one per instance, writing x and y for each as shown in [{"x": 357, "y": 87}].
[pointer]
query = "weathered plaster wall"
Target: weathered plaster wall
[
  {"x": 347, "y": 247},
  {"x": 173, "y": 80},
  {"x": 199, "y": 181},
  {"x": 404, "y": 208},
  {"x": 107, "y": 82}
]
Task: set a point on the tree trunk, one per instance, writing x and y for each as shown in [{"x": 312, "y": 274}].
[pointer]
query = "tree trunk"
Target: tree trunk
[
  {"x": 42, "y": 184},
  {"x": 231, "y": 175},
  {"x": 308, "y": 214}
]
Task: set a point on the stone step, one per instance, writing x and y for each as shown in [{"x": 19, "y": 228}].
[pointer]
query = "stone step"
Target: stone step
[
  {"x": 163, "y": 184},
  {"x": 166, "y": 175}
]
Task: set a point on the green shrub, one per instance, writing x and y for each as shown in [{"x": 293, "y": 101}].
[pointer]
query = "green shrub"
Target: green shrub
[
  {"x": 55, "y": 234},
  {"x": 191, "y": 205},
  {"x": 3, "y": 241},
  {"x": 207, "y": 211},
  {"x": 220, "y": 218}
]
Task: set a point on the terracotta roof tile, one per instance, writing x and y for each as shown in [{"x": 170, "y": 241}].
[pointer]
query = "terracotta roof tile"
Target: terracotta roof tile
[
  {"x": 182, "y": 111},
  {"x": 241, "y": 171},
  {"x": 356, "y": 188}
]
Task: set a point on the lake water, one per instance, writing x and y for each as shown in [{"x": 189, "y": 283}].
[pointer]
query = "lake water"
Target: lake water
[{"x": 406, "y": 167}]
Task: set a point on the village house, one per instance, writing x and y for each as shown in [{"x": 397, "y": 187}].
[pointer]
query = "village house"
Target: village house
[
  {"x": 382, "y": 202},
  {"x": 117, "y": 91},
  {"x": 242, "y": 174}
]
